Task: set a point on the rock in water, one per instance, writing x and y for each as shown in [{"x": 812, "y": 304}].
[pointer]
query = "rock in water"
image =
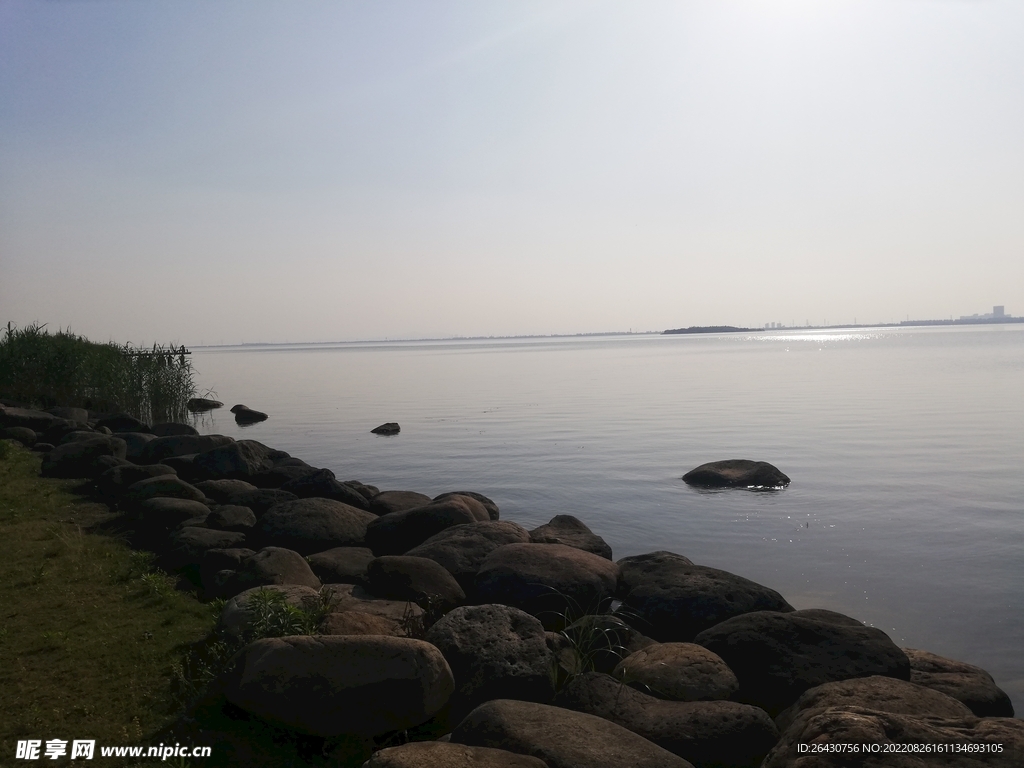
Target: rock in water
[
  {"x": 201, "y": 404},
  {"x": 390, "y": 428},
  {"x": 965, "y": 682},
  {"x": 246, "y": 415},
  {"x": 736, "y": 473}
]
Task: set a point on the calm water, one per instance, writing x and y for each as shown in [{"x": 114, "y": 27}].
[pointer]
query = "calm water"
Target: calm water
[{"x": 905, "y": 447}]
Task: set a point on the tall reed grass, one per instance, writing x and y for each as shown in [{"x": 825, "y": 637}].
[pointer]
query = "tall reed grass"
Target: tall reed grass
[{"x": 49, "y": 369}]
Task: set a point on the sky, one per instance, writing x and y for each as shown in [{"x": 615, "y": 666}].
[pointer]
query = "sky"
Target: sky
[{"x": 207, "y": 173}]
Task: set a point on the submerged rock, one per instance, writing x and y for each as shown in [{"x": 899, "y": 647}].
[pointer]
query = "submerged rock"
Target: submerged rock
[
  {"x": 246, "y": 415},
  {"x": 736, "y": 473},
  {"x": 390, "y": 428}
]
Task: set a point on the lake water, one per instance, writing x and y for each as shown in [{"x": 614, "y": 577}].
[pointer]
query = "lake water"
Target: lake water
[{"x": 905, "y": 448}]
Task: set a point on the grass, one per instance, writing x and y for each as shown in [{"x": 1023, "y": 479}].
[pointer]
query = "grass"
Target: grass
[
  {"x": 89, "y": 632},
  {"x": 48, "y": 369}
]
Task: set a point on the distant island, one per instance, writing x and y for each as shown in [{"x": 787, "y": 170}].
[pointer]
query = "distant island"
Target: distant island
[{"x": 711, "y": 329}]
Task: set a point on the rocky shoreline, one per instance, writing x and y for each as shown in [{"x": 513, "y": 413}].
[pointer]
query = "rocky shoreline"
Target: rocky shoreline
[{"x": 451, "y": 637}]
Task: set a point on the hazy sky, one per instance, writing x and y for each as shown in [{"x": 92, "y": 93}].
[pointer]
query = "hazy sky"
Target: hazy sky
[{"x": 210, "y": 172}]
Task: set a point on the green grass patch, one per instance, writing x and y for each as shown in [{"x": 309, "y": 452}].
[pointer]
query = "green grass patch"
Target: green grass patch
[{"x": 90, "y": 634}]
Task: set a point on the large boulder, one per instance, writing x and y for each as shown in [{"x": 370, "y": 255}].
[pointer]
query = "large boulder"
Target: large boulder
[
  {"x": 386, "y": 502},
  {"x": 279, "y": 474},
  {"x": 260, "y": 500},
  {"x": 27, "y": 437},
  {"x": 38, "y": 421},
  {"x": 229, "y": 517},
  {"x": 495, "y": 652},
  {"x": 221, "y": 491},
  {"x": 80, "y": 415},
  {"x": 77, "y": 458},
  {"x": 170, "y": 486},
  {"x": 678, "y": 672},
  {"x": 462, "y": 549},
  {"x": 341, "y": 565},
  {"x": 334, "y": 685},
  {"x": 122, "y": 422},
  {"x": 571, "y": 531},
  {"x": 424, "y": 582},
  {"x": 274, "y": 565},
  {"x": 398, "y": 532},
  {"x": 116, "y": 479},
  {"x": 492, "y": 508},
  {"x": 965, "y": 682},
  {"x": 246, "y": 415},
  {"x": 313, "y": 525},
  {"x": 203, "y": 404},
  {"x": 882, "y": 694},
  {"x": 171, "y": 428},
  {"x": 550, "y": 581},
  {"x": 560, "y": 737},
  {"x": 778, "y": 656},
  {"x": 136, "y": 443},
  {"x": 672, "y": 600},
  {"x": 181, "y": 445},
  {"x": 736, "y": 473},
  {"x": 160, "y": 514},
  {"x": 968, "y": 742},
  {"x": 360, "y": 623},
  {"x": 189, "y": 544},
  {"x": 239, "y": 460},
  {"x": 440, "y": 754},
  {"x": 707, "y": 733},
  {"x": 321, "y": 483},
  {"x": 351, "y": 597}
]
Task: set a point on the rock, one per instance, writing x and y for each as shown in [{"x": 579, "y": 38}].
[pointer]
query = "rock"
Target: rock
[
  {"x": 778, "y": 656},
  {"x": 183, "y": 466},
  {"x": 171, "y": 428},
  {"x": 170, "y": 486},
  {"x": 678, "y": 672},
  {"x": 390, "y": 428},
  {"x": 27, "y": 437},
  {"x": 560, "y": 737},
  {"x": 341, "y": 565},
  {"x": 216, "y": 561},
  {"x": 672, "y": 600},
  {"x": 273, "y": 566},
  {"x": 122, "y": 422},
  {"x": 278, "y": 475},
  {"x": 38, "y": 421},
  {"x": 364, "y": 490},
  {"x": 352, "y": 597},
  {"x": 360, "y": 623},
  {"x": 79, "y": 434},
  {"x": 549, "y": 581},
  {"x": 965, "y": 682},
  {"x": 313, "y": 525},
  {"x": 597, "y": 642},
  {"x": 495, "y": 652},
  {"x": 56, "y": 433},
  {"x": 221, "y": 491},
  {"x": 438, "y": 754},
  {"x": 706, "y": 733},
  {"x": 246, "y": 415},
  {"x": 79, "y": 415},
  {"x": 321, "y": 483},
  {"x": 386, "y": 502},
  {"x": 882, "y": 694},
  {"x": 161, "y": 448},
  {"x": 42, "y": 447},
  {"x": 164, "y": 513},
  {"x": 490, "y": 506},
  {"x": 261, "y": 500},
  {"x": 116, "y": 479},
  {"x": 76, "y": 459},
  {"x": 736, "y": 473},
  {"x": 135, "y": 443},
  {"x": 859, "y": 725},
  {"x": 238, "y": 613},
  {"x": 333, "y": 685},
  {"x": 424, "y": 582},
  {"x": 239, "y": 460},
  {"x": 201, "y": 404},
  {"x": 463, "y": 548},
  {"x": 398, "y": 532},
  {"x": 229, "y": 517},
  {"x": 569, "y": 530},
  {"x": 190, "y": 544}
]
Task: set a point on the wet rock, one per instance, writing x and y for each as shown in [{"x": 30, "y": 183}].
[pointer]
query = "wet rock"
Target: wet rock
[
  {"x": 313, "y": 525},
  {"x": 321, "y": 483},
  {"x": 333, "y": 685},
  {"x": 490, "y": 506},
  {"x": 965, "y": 682},
  {"x": 560, "y": 737},
  {"x": 736, "y": 473},
  {"x": 246, "y": 415},
  {"x": 462, "y": 549},
  {"x": 341, "y": 565},
  {"x": 672, "y": 600},
  {"x": 239, "y": 460},
  {"x": 571, "y": 531},
  {"x": 778, "y": 656},
  {"x": 171, "y": 428},
  {"x": 386, "y": 502},
  {"x": 424, "y": 582},
  {"x": 398, "y": 532},
  {"x": 707, "y": 733},
  {"x": 437, "y": 754},
  {"x": 548, "y": 581},
  {"x": 390, "y": 428},
  {"x": 495, "y": 652},
  {"x": 678, "y": 672},
  {"x": 156, "y": 451}
]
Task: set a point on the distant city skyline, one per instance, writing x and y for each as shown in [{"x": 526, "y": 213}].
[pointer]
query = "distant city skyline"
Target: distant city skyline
[{"x": 310, "y": 171}]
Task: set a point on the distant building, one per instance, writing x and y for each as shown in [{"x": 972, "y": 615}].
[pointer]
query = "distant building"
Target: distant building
[{"x": 997, "y": 313}]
